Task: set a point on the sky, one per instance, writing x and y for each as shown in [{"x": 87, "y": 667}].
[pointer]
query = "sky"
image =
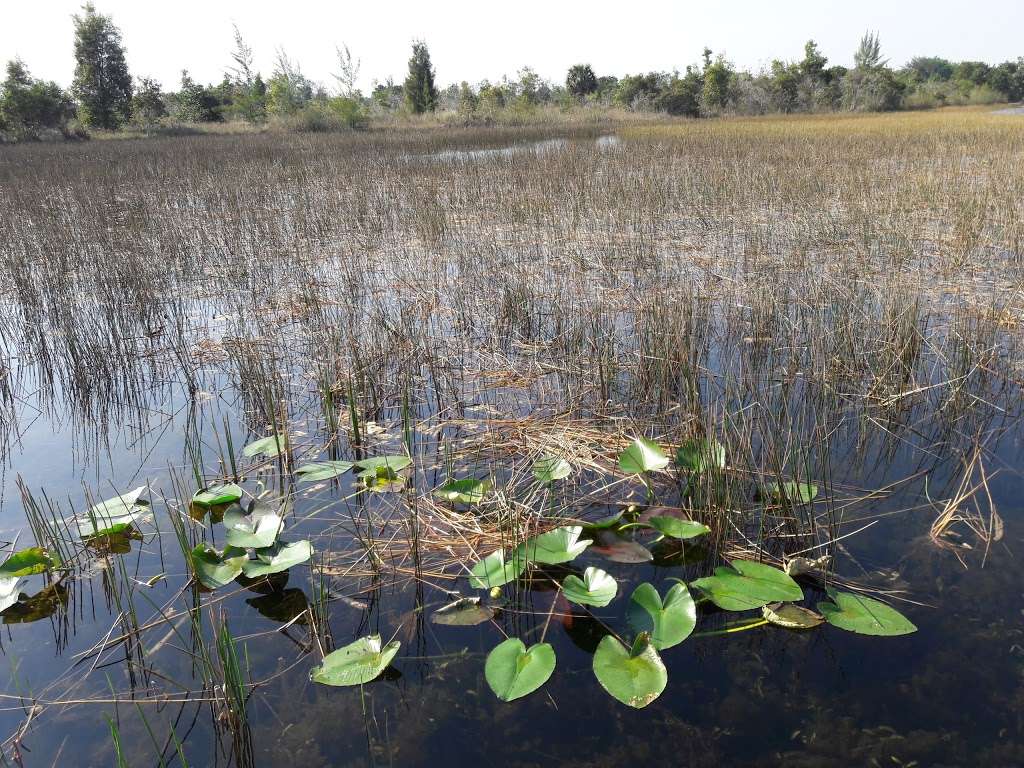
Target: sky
[{"x": 484, "y": 40}]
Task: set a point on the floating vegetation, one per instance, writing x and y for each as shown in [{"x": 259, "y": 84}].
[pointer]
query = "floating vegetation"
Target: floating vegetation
[
  {"x": 597, "y": 588},
  {"x": 864, "y": 615},
  {"x": 745, "y": 585},
  {"x": 465, "y": 491},
  {"x": 513, "y": 670},
  {"x": 561, "y": 545},
  {"x": 667, "y": 622},
  {"x": 356, "y": 663},
  {"x": 464, "y": 612},
  {"x": 113, "y": 515},
  {"x": 635, "y": 676}
]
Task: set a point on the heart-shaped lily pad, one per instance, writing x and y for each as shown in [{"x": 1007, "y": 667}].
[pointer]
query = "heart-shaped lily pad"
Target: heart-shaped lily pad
[
  {"x": 635, "y": 676},
  {"x": 558, "y": 546},
  {"x": 513, "y": 671},
  {"x": 668, "y": 622},
  {"x": 356, "y": 663},
  {"x": 597, "y": 588},
  {"x": 747, "y": 585}
]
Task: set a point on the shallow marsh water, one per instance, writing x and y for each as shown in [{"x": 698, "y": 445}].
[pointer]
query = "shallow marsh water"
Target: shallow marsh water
[{"x": 950, "y": 694}]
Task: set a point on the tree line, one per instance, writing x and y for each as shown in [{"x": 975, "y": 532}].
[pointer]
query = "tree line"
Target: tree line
[{"x": 105, "y": 96}]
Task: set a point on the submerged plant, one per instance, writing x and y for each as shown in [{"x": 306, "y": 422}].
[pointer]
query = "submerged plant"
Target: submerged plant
[{"x": 547, "y": 469}]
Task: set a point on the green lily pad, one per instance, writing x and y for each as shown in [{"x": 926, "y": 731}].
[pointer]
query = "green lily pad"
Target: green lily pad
[
  {"x": 675, "y": 528},
  {"x": 251, "y": 532},
  {"x": 606, "y": 522},
  {"x": 464, "y": 612},
  {"x": 701, "y": 455},
  {"x": 102, "y": 517},
  {"x": 791, "y": 616},
  {"x": 597, "y": 588},
  {"x": 279, "y": 557},
  {"x": 215, "y": 569},
  {"x": 748, "y": 585},
  {"x": 356, "y": 663},
  {"x": 547, "y": 469},
  {"x": 793, "y": 492},
  {"x": 27, "y": 562},
  {"x": 381, "y": 479},
  {"x": 558, "y": 546},
  {"x": 373, "y": 463},
  {"x": 494, "y": 570},
  {"x": 466, "y": 491},
  {"x": 636, "y": 676},
  {"x": 268, "y": 447},
  {"x": 642, "y": 456},
  {"x": 669, "y": 622},
  {"x": 322, "y": 470},
  {"x": 864, "y": 615},
  {"x": 217, "y": 495},
  {"x": 512, "y": 671}
]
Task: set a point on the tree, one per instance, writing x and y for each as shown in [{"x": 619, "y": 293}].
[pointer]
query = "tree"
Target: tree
[
  {"x": 288, "y": 90},
  {"x": 717, "y": 79},
  {"x": 814, "y": 61},
  {"x": 419, "y": 90},
  {"x": 102, "y": 83},
  {"x": 581, "y": 81},
  {"x": 681, "y": 95},
  {"x": 148, "y": 102},
  {"x": 242, "y": 56},
  {"x": 28, "y": 106},
  {"x": 869, "y": 53},
  {"x": 348, "y": 73},
  {"x": 924, "y": 68},
  {"x": 195, "y": 103}
]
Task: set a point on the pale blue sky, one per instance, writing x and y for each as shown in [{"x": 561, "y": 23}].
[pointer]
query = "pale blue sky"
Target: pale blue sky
[{"x": 475, "y": 40}]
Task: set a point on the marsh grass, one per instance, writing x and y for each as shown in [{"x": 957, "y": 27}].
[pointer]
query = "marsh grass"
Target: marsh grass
[{"x": 821, "y": 295}]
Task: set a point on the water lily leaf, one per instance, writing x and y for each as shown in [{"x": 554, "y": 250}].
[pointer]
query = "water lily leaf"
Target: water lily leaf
[
  {"x": 372, "y": 464},
  {"x": 596, "y": 588},
  {"x": 748, "y": 585},
  {"x": 678, "y": 529},
  {"x": 466, "y": 491},
  {"x": 214, "y": 569},
  {"x": 279, "y": 557},
  {"x": 322, "y": 470},
  {"x": 217, "y": 495},
  {"x": 356, "y": 663},
  {"x": 548, "y": 468},
  {"x": 636, "y": 676},
  {"x": 619, "y": 550},
  {"x": 701, "y": 455},
  {"x": 101, "y": 518},
  {"x": 494, "y": 570},
  {"x": 800, "y": 493},
  {"x": 268, "y": 447},
  {"x": 27, "y": 562},
  {"x": 256, "y": 532},
  {"x": 669, "y": 622},
  {"x": 464, "y": 612},
  {"x": 381, "y": 479},
  {"x": 642, "y": 456},
  {"x": 10, "y": 591},
  {"x": 864, "y": 615},
  {"x": 606, "y": 522},
  {"x": 513, "y": 671},
  {"x": 791, "y": 616},
  {"x": 41, "y": 605},
  {"x": 558, "y": 546}
]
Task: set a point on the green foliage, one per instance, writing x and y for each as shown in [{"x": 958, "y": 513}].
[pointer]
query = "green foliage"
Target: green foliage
[
  {"x": 791, "y": 616},
  {"x": 196, "y": 103},
  {"x": 356, "y": 663},
  {"x": 268, "y": 447},
  {"x": 597, "y": 588},
  {"x": 668, "y": 622},
  {"x": 561, "y": 545},
  {"x": 216, "y": 495},
  {"x": 642, "y": 456},
  {"x": 112, "y": 514},
  {"x": 635, "y": 676},
  {"x": 323, "y": 470},
  {"x": 102, "y": 83},
  {"x": 718, "y": 77},
  {"x": 214, "y": 569},
  {"x": 465, "y": 491},
  {"x": 681, "y": 95},
  {"x": 864, "y": 615},
  {"x": 676, "y": 528},
  {"x": 27, "y": 562},
  {"x": 701, "y": 455},
  {"x": 244, "y": 532},
  {"x": 29, "y": 106},
  {"x": 148, "y": 105},
  {"x": 464, "y": 612},
  {"x": 513, "y": 671},
  {"x": 419, "y": 90},
  {"x": 495, "y": 571},
  {"x": 581, "y": 80},
  {"x": 746, "y": 585},
  {"x": 277, "y": 557},
  {"x": 547, "y": 469}
]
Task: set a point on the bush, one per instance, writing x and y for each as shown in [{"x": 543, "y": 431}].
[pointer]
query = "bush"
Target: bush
[{"x": 331, "y": 116}]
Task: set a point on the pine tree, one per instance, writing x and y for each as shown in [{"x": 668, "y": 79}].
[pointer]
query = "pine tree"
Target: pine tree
[
  {"x": 102, "y": 83},
  {"x": 419, "y": 89}
]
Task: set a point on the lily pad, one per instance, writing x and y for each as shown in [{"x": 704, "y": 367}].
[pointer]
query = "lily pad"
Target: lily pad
[
  {"x": 217, "y": 495},
  {"x": 464, "y": 612},
  {"x": 701, "y": 455},
  {"x": 251, "y": 532},
  {"x": 101, "y": 518},
  {"x": 381, "y": 479},
  {"x": 606, "y": 522},
  {"x": 547, "y": 469},
  {"x": 466, "y": 491},
  {"x": 39, "y": 606},
  {"x": 864, "y": 615},
  {"x": 675, "y": 528},
  {"x": 642, "y": 456},
  {"x": 747, "y": 585},
  {"x": 669, "y": 622},
  {"x": 356, "y": 663},
  {"x": 494, "y": 570},
  {"x": 268, "y": 447},
  {"x": 793, "y": 492},
  {"x": 635, "y": 676},
  {"x": 513, "y": 671},
  {"x": 215, "y": 569},
  {"x": 322, "y": 470},
  {"x": 26, "y": 563},
  {"x": 791, "y": 616},
  {"x": 372, "y": 464},
  {"x": 558, "y": 546},
  {"x": 597, "y": 588},
  {"x": 277, "y": 558}
]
